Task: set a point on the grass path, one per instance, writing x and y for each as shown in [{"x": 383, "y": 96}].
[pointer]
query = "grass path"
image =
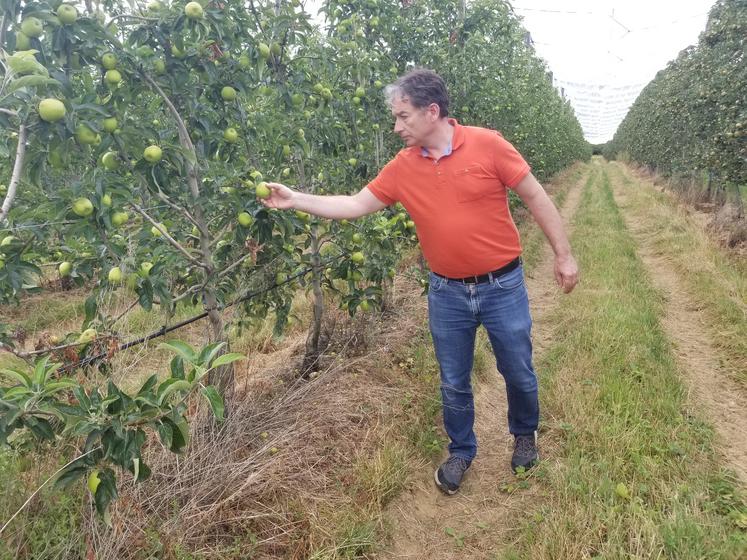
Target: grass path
[{"x": 721, "y": 397}]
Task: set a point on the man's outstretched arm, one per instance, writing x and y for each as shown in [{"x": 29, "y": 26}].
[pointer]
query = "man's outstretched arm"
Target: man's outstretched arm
[{"x": 335, "y": 207}]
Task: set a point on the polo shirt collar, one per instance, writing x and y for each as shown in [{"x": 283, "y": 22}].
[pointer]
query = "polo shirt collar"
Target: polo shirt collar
[{"x": 457, "y": 139}]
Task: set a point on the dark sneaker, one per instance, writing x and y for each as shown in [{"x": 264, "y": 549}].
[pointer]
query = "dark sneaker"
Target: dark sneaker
[
  {"x": 449, "y": 475},
  {"x": 525, "y": 452}
]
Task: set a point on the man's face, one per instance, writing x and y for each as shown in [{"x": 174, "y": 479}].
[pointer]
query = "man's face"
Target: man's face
[{"x": 413, "y": 125}]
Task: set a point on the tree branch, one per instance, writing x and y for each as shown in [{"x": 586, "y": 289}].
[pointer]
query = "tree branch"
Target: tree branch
[
  {"x": 16, "y": 176},
  {"x": 174, "y": 243}
]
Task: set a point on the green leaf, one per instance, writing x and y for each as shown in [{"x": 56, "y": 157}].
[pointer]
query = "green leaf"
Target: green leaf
[
  {"x": 31, "y": 81},
  {"x": 182, "y": 349},
  {"x": 227, "y": 359},
  {"x": 148, "y": 385},
  {"x": 90, "y": 309},
  {"x": 177, "y": 367},
  {"x": 70, "y": 474},
  {"x": 40, "y": 427},
  {"x": 42, "y": 371},
  {"x": 215, "y": 401},
  {"x": 17, "y": 375},
  {"x": 209, "y": 352},
  {"x": 55, "y": 386},
  {"x": 106, "y": 491},
  {"x": 170, "y": 386}
]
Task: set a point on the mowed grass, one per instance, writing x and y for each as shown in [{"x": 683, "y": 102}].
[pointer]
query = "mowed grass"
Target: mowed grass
[
  {"x": 636, "y": 476},
  {"x": 715, "y": 278}
]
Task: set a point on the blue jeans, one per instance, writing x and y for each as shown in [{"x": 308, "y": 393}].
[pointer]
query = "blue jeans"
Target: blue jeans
[{"x": 455, "y": 310}]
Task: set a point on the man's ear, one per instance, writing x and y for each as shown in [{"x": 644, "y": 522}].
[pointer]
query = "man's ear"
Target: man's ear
[{"x": 435, "y": 111}]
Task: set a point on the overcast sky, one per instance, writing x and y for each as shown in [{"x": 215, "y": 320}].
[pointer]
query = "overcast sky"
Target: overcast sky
[{"x": 603, "y": 52}]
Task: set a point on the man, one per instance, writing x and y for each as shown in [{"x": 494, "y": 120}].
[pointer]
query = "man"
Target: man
[{"x": 452, "y": 179}]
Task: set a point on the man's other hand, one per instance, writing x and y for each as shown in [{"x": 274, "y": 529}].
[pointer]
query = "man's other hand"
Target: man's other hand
[
  {"x": 281, "y": 197},
  {"x": 566, "y": 272}
]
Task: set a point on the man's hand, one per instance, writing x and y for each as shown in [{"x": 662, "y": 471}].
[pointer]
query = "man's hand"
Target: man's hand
[
  {"x": 566, "y": 272},
  {"x": 281, "y": 197}
]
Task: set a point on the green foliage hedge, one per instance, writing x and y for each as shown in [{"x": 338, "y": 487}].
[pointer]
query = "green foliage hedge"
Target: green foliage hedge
[{"x": 692, "y": 118}]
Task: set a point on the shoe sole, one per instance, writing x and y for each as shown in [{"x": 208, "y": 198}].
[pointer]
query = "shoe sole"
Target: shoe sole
[{"x": 442, "y": 487}]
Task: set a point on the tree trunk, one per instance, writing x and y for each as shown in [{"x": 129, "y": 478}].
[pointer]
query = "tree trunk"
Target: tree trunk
[{"x": 312, "y": 341}]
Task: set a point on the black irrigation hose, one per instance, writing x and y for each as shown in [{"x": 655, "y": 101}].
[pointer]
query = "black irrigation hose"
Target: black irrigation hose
[{"x": 164, "y": 329}]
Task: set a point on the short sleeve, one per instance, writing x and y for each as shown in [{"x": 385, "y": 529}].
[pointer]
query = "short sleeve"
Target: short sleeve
[
  {"x": 509, "y": 164},
  {"x": 384, "y": 185}
]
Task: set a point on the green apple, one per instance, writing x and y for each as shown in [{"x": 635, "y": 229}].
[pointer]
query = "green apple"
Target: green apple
[
  {"x": 113, "y": 77},
  {"x": 302, "y": 215},
  {"x": 83, "y": 207},
  {"x": 360, "y": 91},
  {"x": 318, "y": 88},
  {"x": 286, "y": 150},
  {"x": 228, "y": 93},
  {"x": 154, "y": 6},
  {"x": 85, "y": 337},
  {"x": 297, "y": 99},
  {"x": 378, "y": 84},
  {"x": 357, "y": 238},
  {"x": 275, "y": 49},
  {"x": 157, "y": 232},
  {"x": 262, "y": 190},
  {"x": 245, "y": 219},
  {"x": 327, "y": 94},
  {"x": 93, "y": 481},
  {"x": 65, "y": 268},
  {"x": 244, "y": 62},
  {"x": 193, "y": 10},
  {"x": 365, "y": 306},
  {"x": 230, "y": 135},
  {"x": 51, "y": 110},
  {"x": 85, "y": 135},
  {"x": 106, "y": 200},
  {"x": 145, "y": 268},
  {"x": 410, "y": 224},
  {"x": 110, "y": 124},
  {"x": 159, "y": 66},
  {"x": 109, "y": 159},
  {"x": 352, "y": 162},
  {"x": 115, "y": 275},
  {"x": 152, "y": 154},
  {"x": 286, "y": 172},
  {"x": 145, "y": 51},
  {"x": 255, "y": 175},
  {"x": 357, "y": 257},
  {"x": 356, "y": 100},
  {"x": 264, "y": 50},
  {"x": 67, "y": 14},
  {"x": 119, "y": 218},
  {"x": 109, "y": 61},
  {"x": 23, "y": 42},
  {"x": 32, "y": 27}
]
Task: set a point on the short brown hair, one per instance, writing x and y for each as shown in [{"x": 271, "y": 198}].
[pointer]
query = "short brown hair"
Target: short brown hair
[{"x": 422, "y": 87}]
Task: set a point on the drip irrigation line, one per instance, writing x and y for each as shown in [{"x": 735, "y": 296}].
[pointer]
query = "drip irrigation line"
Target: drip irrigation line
[
  {"x": 46, "y": 224},
  {"x": 165, "y": 330}
]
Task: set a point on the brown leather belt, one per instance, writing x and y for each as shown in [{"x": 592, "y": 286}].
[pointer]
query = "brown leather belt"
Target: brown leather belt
[{"x": 488, "y": 277}]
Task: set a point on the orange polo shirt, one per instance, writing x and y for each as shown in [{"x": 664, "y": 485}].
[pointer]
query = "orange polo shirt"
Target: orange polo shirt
[{"x": 459, "y": 203}]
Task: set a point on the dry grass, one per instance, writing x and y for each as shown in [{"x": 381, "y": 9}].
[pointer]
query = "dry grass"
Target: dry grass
[{"x": 294, "y": 458}]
